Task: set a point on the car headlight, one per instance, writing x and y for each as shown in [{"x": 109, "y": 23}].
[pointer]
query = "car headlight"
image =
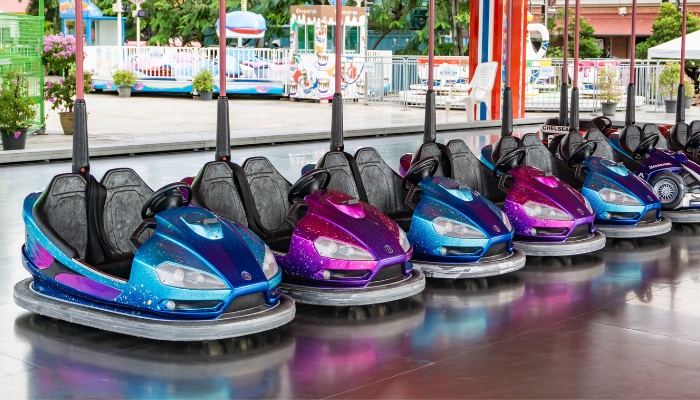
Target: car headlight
[
  {"x": 186, "y": 278},
  {"x": 403, "y": 241},
  {"x": 342, "y": 251},
  {"x": 448, "y": 227},
  {"x": 269, "y": 265},
  {"x": 588, "y": 205},
  {"x": 537, "y": 210},
  {"x": 506, "y": 221},
  {"x": 615, "y": 197}
]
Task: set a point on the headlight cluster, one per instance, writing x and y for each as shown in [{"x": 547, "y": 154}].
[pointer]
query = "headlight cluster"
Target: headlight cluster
[
  {"x": 588, "y": 205},
  {"x": 537, "y": 210},
  {"x": 506, "y": 221},
  {"x": 186, "y": 278},
  {"x": 448, "y": 227},
  {"x": 615, "y": 197},
  {"x": 342, "y": 251},
  {"x": 269, "y": 265},
  {"x": 403, "y": 241}
]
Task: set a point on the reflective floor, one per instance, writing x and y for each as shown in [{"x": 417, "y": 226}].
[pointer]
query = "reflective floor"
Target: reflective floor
[{"x": 620, "y": 322}]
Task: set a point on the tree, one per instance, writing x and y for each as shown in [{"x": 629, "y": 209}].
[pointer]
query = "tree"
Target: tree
[
  {"x": 666, "y": 26},
  {"x": 587, "y": 47}
]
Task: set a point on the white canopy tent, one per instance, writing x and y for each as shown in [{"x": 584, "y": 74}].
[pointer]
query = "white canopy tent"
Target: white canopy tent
[{"x": 672, "y": 48}]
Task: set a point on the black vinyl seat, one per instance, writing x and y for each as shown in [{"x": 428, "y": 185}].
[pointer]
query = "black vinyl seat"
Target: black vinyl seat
[
  {"x": 678, "y": 135},
  {"x": 653, "y": 129},
  {"x": 436, "y": 150},
  {"x": 217, "y": 187},
  {"x": 538, "y": 156},
  {"x": 695, "y": 127},
  {"x": 383, "y": 186},
  {"x": 268, "y": 203},
  {"x": 604, "y": 149},
  {"x": 503, "y": 146},
  {"x": 344, "y": 174},
  {"x": 468, "y": 170},
  {"x": 630, "y": 137},
  {"x": 93, "y": 221},
  {"x": 569, "y": 142}
]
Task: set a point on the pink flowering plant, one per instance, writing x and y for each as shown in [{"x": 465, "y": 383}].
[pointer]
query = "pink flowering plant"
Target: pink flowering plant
[
  {"x": 59, "y": 56},
  {"x": 59, "y": 53},
  {"x": 61, "y": 94}
]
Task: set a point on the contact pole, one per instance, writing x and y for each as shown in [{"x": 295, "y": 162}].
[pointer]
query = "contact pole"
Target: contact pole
[
  {"x": 630, "y": 118},
  {"x": 429, "y": 127},
  {"x": 564, "y": 90},
  {"x": 507, "y": 110},
  {"x": 574, "y": 119},
  {"x": 337, "y": 116},
  {"x": 81, "y": 159},
  {"x": 223, "y": 126},
  {"x": 680, "y": 104}
]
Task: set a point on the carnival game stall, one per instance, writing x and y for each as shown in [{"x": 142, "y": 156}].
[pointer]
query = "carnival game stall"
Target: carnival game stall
[{"x": 312, "y": 35}]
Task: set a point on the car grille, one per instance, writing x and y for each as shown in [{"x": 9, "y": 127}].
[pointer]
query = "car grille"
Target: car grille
[
  {"x": 389, "y": 272},
  {"x": 496, "y": 249},
  {"x": 580, "y": 231},
  {"x": 246, "y": 302},
  {"x": 623, "y": 215}
]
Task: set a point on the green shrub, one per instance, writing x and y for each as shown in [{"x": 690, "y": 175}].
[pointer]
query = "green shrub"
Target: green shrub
[
  {"x": 124, "y": 78},
  {"x": 608, "y": 89},
  {"x": 203, "y": 81},
  {"x": 16, "y": 106},
  {"x": 669, "y": 78}
]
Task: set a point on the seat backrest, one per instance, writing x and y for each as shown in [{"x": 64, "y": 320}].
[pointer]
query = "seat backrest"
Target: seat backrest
[
  {"x": 570, "y": 142},
  {"x": 465, "y": 167},
  {"x": 653, "y": 129},
  {"x": 679, "y": 134},
  {"x": 604, "y": 148},
  {"x": 126, "y": 193},
  {"x": 484, "y": 76},
  {"x": 630, "y": 136},
  {"x": 268, "y": 190},
  {"x": 343, "y": 174},
  {"x": 503, "y": 146},
  {"x": 383, "y": 185},
  {"x": 61, "y": 214},
  {"x": 695, "y": 126},
  {"x": 217, "y": 189},
  {"x": 428, "y": 150},
  {"x": 536, "y": 154}
]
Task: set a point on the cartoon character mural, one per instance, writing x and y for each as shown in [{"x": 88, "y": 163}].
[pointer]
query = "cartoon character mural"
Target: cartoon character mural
[{"x": 312, "y": 36}]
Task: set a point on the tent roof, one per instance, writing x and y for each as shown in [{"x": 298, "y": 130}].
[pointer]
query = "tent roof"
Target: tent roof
[{"x": 672, "y": 48}]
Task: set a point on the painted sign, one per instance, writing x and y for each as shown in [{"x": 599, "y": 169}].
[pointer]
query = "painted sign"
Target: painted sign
[{"x": 66, "y": 9}]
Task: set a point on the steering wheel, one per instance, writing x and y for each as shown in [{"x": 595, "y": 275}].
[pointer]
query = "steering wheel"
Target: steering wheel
[
  {"x": 419, "y": 171},
  {"x": 604, "y": 124},
  {"x": 165, "y": 198},
  {"x": 582, "y": 152},
  {"x": 312, "y": 182},
  {"x": 693, "y": 142},
  {"x": 509, "y": 161},
  {"x": 644, "y": 146}
]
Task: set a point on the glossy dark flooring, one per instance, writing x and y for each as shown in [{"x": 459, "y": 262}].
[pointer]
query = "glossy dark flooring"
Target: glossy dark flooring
[{"x": 621, "y": 322}]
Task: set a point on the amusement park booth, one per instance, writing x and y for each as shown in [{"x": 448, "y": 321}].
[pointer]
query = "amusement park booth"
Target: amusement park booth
[
  {"x": 312, "y": 43},
  {"x": 99, "y": 30}
]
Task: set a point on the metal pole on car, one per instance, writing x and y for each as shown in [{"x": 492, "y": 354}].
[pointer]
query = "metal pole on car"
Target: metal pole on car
[
  {"x": 564, "y": 90},
  {"x": 337, "y": 117},
  {"x": 223, "y": 128},
  {"x": 680, "y": 104},
  {"x": 574, "y": 119},
  {"x": 429, "y": 128},
  {"x": 81, "y": 161},
  {"x": 630, "y": 111},
  {"x": 507, "y": 112}
]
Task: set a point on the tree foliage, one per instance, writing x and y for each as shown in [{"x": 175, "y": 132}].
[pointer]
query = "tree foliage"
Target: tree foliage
[
  {"x": 587, "y": 47},
  {"x": 666, "y": 26}
]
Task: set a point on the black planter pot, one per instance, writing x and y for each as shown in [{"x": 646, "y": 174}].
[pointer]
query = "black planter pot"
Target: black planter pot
[
  {"x": 13, "y": 140},
  {"x": 670, "y": 106},
  {"x": 205, "y": 96},
  {"x": 609, "y": 108}
]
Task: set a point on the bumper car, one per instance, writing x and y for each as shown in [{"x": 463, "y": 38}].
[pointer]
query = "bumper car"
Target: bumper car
[
  {"x": 455, "y": 232},
  {"x": 332, "y": 249},
  {"x": 674, "y": 179},
  {"x": 549, "y": 216},
  {"x": 624, "y": 204},
  {"x": 116, "y": 256}
]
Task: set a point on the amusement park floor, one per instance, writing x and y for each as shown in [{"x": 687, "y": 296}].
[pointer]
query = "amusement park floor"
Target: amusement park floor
[
  {"x": 149, "y": 123},
  {"x": 623, "y": 322}
]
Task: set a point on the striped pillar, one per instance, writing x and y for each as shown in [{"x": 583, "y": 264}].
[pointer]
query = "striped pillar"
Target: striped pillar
[{"x": 487, "y": 42}]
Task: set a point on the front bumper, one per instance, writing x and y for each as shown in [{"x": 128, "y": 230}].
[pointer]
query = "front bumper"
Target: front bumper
[
  {"x": 492, "y": 266},
  {"x": 568, "y": 247}
]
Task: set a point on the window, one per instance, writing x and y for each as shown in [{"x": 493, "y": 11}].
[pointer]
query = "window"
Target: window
[
  {"x": 305, "y": 38},
  {"x": 352, "y": 39}
]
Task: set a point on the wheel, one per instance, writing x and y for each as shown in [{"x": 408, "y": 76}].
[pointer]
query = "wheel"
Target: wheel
[{"x": 669, "y": 188}]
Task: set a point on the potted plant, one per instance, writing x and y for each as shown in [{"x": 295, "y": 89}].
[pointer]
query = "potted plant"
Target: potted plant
[
  {"x": 124, "y": 80},
  {"x": 203, "y": 83},
  {"x": 608, "y": 90},
  {"x": 61, "y": 95},
  {"x": 59, "y": 56},
  {"x": 669, "y": 78},
  {"x": 16, "y": 109},
  {"x": 689, "y": 88}
]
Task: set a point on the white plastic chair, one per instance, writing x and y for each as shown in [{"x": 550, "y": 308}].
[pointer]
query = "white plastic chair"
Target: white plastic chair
[{"x": 479, "y": 88}]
